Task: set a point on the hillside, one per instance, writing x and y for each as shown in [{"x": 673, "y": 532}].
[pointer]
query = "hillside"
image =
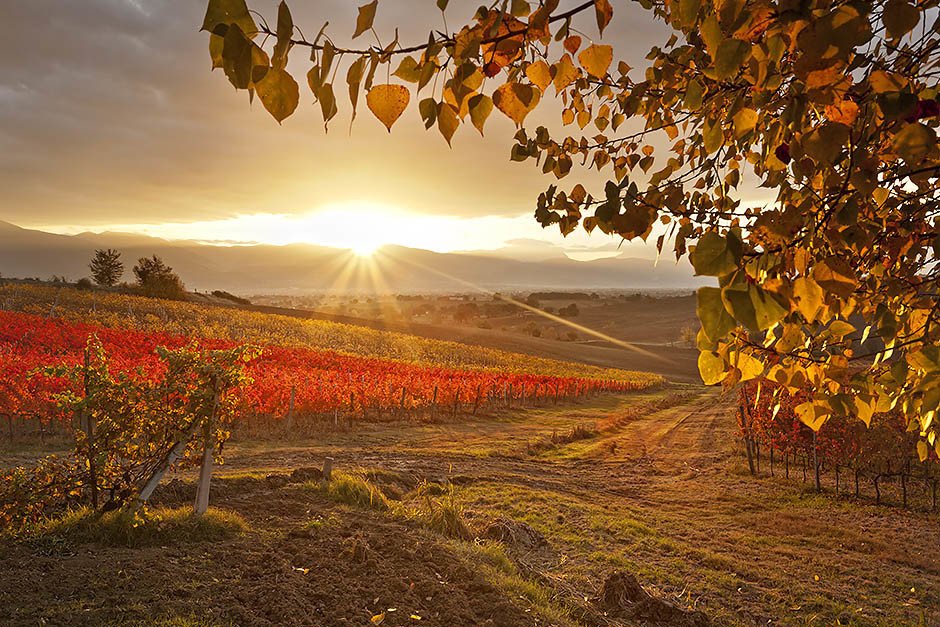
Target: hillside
[{"x": 301, "y": 268}]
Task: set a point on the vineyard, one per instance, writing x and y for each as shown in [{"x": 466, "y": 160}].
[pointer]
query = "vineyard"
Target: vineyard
[
  {"x": 121, "y": 311},
  {"x": 291, "y": 385},
  {"x": 883, "y": 459}
]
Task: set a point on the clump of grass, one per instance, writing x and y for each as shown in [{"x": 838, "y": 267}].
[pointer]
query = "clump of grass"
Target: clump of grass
[
  {"x": 151, "y": 527},
  {"x": 319, "y": 523},
  {"x": 445, "y": 515},
  {"x": 353, "y": 490},
  {"x": 577, "y": 432},
  {"x": 495, "y": 564}
]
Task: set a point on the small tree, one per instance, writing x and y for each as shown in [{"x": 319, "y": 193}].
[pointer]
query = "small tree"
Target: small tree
[
  {"x": 106, "y": 267},
  {"x": 156, "y": 279}
]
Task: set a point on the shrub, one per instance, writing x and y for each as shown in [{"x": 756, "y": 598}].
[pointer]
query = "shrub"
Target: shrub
[{"x": 157, "y": 280}]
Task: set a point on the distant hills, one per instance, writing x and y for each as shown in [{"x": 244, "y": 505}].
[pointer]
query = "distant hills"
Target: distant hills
[{"x": 303, "y": 268}]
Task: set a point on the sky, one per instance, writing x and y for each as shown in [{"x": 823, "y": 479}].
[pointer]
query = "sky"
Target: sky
[{"x": 110, "y": 119}]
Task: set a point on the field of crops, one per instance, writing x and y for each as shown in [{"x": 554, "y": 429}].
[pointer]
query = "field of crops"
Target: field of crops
[
  {"x": 302, "y": 378},
  {"x": 883, "y": 457},
  {"x": 120, "y": 311}
]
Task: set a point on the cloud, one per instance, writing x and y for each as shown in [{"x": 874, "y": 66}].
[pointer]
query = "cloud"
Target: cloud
[{"x": 109, "y": 115}]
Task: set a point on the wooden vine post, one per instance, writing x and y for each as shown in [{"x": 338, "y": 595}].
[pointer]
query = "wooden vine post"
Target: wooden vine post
[
  {"x": 89, "y": 427},
  {"x": 434, "y": 403},
  {"x": 208, "y": 448},
  {"x": 290, "y": 410}
]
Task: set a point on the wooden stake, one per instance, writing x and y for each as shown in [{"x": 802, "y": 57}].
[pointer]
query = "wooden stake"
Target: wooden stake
[
  {"x": 290, "y": 410},
  {"x": 205, "y": 470},
  {"x": 328, "y": 469}
]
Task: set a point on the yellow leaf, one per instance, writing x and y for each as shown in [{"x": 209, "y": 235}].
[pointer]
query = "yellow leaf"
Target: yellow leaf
[
  {"x": 481, "y": 106},
  {"x": 387, "y": 102},
  {"x": 279, "y": 93},
  {"x": 596, "y": 59},
  {"x": 565, "y": 73},
  {"x": 447, "y": 121},
  {"x": 711, "y": 367},
  {"x": 921, "y": 453},
  {"x": 516, "y": 100},
  {"x": 744, "y": 122},
  {"x": 750, "y": 367},
  {"x": 812, "y": 414},
  {"x": 378, "y": 619},
  {"x": 539, "y": 74}
]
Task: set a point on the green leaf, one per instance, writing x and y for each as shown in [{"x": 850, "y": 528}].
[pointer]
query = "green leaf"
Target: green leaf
[
  {"x": 366, "y": 17},
  {"x": 711, "y": 367},
  {"x": 737, "y": 300},
  {"x": 914, "y": 142},
  {"x": 716, "y": 321},
  {"x": 229, "y": 12},
  {"x": 767, "y": 311},
  {"x": 730, "y": 57},
  {"x": 712, "y": 257},
  {"x": 236, "y": 57},
  {"x": 428, "y": 110},
  {"x": 279, "y": 93}
]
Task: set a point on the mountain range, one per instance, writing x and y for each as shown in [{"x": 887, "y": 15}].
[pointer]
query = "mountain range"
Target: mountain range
[{"x": 305, "y": 268}]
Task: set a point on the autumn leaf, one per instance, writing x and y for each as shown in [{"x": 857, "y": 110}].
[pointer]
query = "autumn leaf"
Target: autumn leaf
[
  {"x": 564, "y": 72},
  {"x": 447, "y": 121},
  {"x": 596, "y": 59},
  {"x": 572, "y": 44},
  {"x": 516, "y": 100},
  {"x": 279, "y": 93},
  {"x": 366, "y": 17},
  {"x": 388, "y": 102},
  {"x": 539, "y": 73},
  {"x": 603, "y": 12},
  {"x": 481, "y": 106}
]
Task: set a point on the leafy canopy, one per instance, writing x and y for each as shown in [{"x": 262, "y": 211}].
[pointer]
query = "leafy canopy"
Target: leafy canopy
[{"x": 831, "y": 106}]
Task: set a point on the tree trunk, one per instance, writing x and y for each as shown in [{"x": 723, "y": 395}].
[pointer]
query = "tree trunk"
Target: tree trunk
[{"x": 816, "y": 461}]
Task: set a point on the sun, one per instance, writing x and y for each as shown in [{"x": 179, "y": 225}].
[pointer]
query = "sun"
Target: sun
[{"x": 366, "y": 249}]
